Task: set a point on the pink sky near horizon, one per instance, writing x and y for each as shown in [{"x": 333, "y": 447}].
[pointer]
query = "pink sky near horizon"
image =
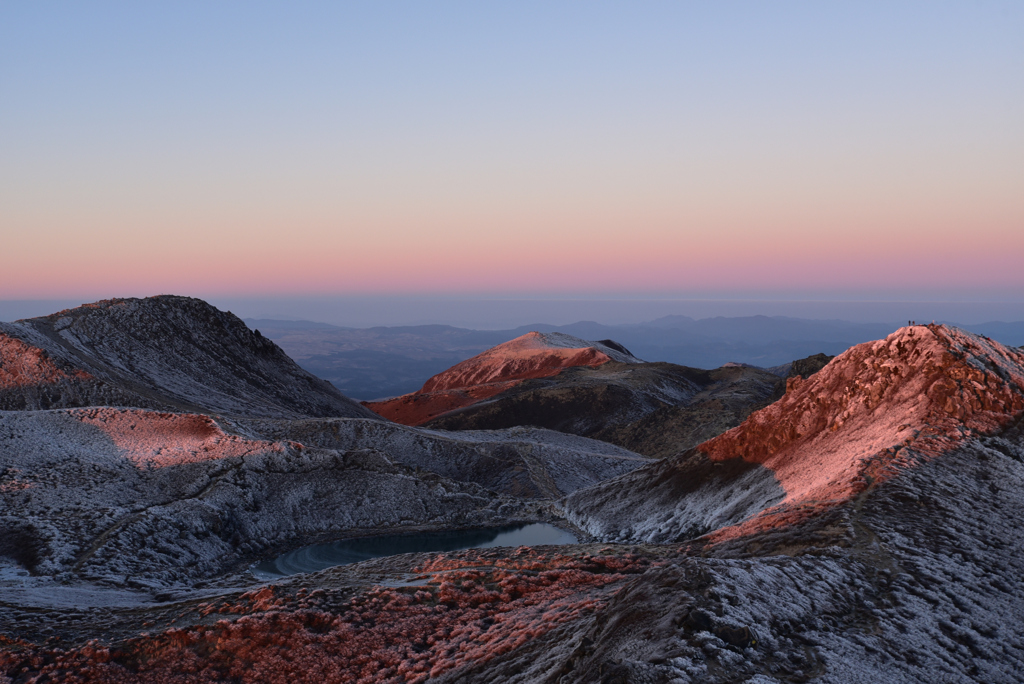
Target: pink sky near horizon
[
  {"x": 612, "y": 254},
  {"x": 856, "y": 148}
]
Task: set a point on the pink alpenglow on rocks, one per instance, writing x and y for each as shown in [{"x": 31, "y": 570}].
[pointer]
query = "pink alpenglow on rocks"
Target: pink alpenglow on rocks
[
  {"x": 155, "y": 439},
  {"x": 876, "y": 409},
  {"x": 22, "y": 365},
  {"x": 530, "y": 356}
]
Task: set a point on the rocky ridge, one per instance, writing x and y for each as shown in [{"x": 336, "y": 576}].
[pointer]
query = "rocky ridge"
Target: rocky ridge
[
  {"x": 875, "y": 410},
  {"x": 873, "y": 563},
  {"x": 167, "y": 353},
  {"x": 656, "y": 409},
  {"x": 530, "y": 356}
]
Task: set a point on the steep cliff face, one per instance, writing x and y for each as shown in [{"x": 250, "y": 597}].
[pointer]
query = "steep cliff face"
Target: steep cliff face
[
  {"x": 876, "y": 410},
  {"x": 530, "y": 356},
  {"x": 166, "y": 352}
]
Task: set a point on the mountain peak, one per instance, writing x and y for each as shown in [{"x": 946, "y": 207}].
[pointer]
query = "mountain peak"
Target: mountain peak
[
  {"x": 876, "y": 409},
  {"x": 874, "y": 412},
  {"x": 165, "y": 352},
  {"x": 533, "y": 355}
]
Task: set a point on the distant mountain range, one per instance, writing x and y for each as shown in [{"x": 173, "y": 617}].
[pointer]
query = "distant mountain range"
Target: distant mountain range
[{"x": 374, "y": 363}]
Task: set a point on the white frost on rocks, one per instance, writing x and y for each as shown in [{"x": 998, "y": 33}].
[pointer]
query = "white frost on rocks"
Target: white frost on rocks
[
  {"x": 564, "y": 341},
  {"x": 661, "y": 504},
  {"x": 171, "y": 353},
  {"x": 523, "y": 462},
  {"x": 122, "y": 495}
]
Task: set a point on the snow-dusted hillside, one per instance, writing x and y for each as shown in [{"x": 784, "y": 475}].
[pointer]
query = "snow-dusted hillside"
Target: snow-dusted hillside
[
  {"x": 528, "y": 463},
  {"x": 166, "y": 352},
  {"x": 101, "y": 494},
  {"x": 864, "y": 528},
  {"x": 874, "y": 411}
]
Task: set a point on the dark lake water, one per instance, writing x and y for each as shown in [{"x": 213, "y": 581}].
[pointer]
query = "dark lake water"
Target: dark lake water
[{"x": 323, "y": 556}]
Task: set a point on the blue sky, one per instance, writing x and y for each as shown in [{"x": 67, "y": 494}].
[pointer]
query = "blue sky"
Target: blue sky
[{"x": 778, "y": 149}]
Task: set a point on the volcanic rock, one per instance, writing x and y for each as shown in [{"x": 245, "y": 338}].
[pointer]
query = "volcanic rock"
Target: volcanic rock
[
  {"x": 864, "y": 528},
  {"x": 874, "y": 411},
  {"x": 168, "y": 353},
  {"x": 533, "y": 355}
]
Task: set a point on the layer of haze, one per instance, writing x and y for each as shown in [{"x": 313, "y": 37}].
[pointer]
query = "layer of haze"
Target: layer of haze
[
  {"x": 791, "y": 149},
  {"x": 503, "y": 314}
]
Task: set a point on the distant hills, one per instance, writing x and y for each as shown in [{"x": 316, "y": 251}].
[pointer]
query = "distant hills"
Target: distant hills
[{"x": 373, "y": 363}]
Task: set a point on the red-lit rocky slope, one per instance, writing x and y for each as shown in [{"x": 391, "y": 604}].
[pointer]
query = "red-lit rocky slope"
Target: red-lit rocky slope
[
  {"x": 878, "y": 564},
  {"x": 166, "y": 352},
  {"x": 874, "y": 411},
  {"x": 655, "y": 409},
  {"x": 530, "y": 356}
]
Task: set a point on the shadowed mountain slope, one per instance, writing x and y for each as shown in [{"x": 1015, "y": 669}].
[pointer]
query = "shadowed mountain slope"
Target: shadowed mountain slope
[
  {"x": 657, "y": 409},
  {"x": 166, "y": 352}
]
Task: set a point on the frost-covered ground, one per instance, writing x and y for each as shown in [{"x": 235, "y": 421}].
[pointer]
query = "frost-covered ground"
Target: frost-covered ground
[
  {"x": 138, "y": 497},
  {"x": 864, "y": 528},
  {"x": 914, "y": 581},
  {"x": 523, "y": 462}
]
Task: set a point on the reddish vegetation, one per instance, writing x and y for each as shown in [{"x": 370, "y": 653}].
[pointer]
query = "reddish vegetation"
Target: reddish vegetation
[
  {"x": 470, "y": 610},
  {"x": 874, "y": 410},
  {"x": 485, "y": 375},
  {"x": 22, "y": 365},
  {"x": 154, "y": 439}
]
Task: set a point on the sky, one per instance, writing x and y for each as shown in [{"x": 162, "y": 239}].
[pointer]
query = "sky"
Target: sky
[{"x": 733, "y": 150}]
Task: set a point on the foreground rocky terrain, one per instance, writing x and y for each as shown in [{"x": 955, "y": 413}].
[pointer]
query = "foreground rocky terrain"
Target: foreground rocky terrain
[{"x": 862, "y": 528}]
